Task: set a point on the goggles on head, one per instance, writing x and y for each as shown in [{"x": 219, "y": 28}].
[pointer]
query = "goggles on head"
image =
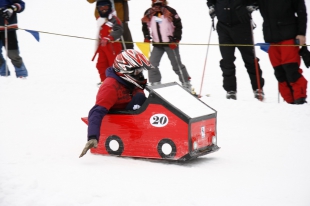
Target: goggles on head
[{"x": 104, "y": 8}]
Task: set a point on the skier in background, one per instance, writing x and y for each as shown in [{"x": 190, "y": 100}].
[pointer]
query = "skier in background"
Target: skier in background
[
  {"x": 122, "y": 89},
  {"x": 122, "y": 12},
  {"x": 234, "y": 27},
  {"x": 8, "y": 20},
  {"x": 285, "y": 23},
  {"x": 166, "y": 29},
  {"x": 111, "y": 30}
]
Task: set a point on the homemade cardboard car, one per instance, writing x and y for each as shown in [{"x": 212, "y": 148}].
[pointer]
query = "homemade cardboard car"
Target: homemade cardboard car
[{"x": 171, "y": 124}]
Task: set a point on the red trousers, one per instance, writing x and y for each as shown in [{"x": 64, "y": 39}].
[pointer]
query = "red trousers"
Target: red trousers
[
  {"x": 106, "y": 57},
  {"x": 286, "y": 61}
]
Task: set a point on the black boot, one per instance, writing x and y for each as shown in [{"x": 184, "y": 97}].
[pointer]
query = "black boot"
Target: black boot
[
  {"x": 231, "y": 95},
  {"x": 300, "y": 101}
]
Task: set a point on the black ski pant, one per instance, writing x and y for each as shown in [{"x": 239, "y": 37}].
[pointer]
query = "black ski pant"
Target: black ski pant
[{"x": 240, "y": 34}]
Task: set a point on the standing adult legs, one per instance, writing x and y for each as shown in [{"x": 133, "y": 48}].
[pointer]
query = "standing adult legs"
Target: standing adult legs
[
  {"x": 288, "y": 59},
  {"x": 13, "y": 53}
]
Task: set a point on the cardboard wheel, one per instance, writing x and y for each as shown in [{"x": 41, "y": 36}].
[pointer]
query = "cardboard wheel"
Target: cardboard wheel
[
  {"x": 114, "y": 145},
  {"x": 166, "y": 148}
]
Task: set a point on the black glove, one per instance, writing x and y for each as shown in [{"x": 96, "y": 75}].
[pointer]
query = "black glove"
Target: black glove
[
  {"x": 147, "y": 39},
  {"x": 305, "y": 54},
  {"x": 8, "y": 11},
  {"x": 212, "y": 12},
  {"x": 252, "y": 8},
  {"x": 242, "y": 12}
]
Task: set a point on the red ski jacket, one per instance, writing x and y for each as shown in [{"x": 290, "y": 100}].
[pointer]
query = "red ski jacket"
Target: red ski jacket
[{"x": 114, "y": 93}]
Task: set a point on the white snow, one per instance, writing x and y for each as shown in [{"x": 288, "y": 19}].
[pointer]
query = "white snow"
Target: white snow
[{"x": 264, "y": 156}]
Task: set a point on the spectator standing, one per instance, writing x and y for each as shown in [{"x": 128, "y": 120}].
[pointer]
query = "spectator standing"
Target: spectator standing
[
  {"x": 162, "y": 25},
  {"x": 285, "y": 23},
  {"x": 234, "y": 28},
  {"x": 122, "y": 89},
  {"x": 8, "y": 21},
  {"x": 111, "y": 30},
  {"x": 122, "y": 12}
]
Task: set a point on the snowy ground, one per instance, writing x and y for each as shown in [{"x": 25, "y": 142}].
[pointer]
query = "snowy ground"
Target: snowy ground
[{"x": 264, "y": 156}]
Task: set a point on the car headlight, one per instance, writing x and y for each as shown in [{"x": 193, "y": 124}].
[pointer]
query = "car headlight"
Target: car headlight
[
  {"x": 195, "y": 145},
  {"x": 214, "y": 140}
]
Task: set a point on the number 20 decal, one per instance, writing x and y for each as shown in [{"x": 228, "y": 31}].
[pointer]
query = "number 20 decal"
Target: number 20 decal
[{"x": 159, "y": 120}]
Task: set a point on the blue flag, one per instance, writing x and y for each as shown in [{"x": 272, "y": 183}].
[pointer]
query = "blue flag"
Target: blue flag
[
  {"x": 35, "y": 34},
  {"x": 263, "y": 46}
]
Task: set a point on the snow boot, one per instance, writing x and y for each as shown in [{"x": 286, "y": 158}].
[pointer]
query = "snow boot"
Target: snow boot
[
  {"x": 231, "y": 95},
  {"x": 300, "y": 101},
  {"x": 187, "y": 85},
  {"x": 155, "y": 83},
  {"x": 259, "y": 94},
  {"x": 3, "y": 70},
  {"x": 21, "y": 71}
]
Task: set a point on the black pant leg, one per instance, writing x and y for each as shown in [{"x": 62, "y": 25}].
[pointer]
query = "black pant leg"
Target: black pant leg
[
  {"x": 242, "y": 34},
  {"x": 127, "y": 36},
  {"x": 228, "y": 57}
]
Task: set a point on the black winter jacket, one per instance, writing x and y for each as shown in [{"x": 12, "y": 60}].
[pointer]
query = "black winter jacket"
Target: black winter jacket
[
  {"x": 225, "y": 12},
  {"x": 280, "y": 21}
]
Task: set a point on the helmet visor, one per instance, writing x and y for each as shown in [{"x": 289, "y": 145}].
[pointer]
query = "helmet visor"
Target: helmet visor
[{"x": 137, "y": 71}]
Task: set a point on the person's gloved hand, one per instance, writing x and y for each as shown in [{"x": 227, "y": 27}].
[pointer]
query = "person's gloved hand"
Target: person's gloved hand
[
  {"x": 8, "y": 12},
  {"x": 147, "y": 39},
  {"x": 173, "y": 42},
  {"x": 105, "y": 40},
  {"x": 305, "y": 54},
  {"x": 251, "y": 8},
  {"x": 90, "y": 144},
  {"x": 212, "y": 12}
]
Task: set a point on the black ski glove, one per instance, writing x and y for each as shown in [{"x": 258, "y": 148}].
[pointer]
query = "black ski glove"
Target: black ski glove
[
  {"x": 252, "y": 8},
  {"x": 305, "y": 54},
  {"x": 8, "y": 11},
  {"x": 212, "y": 12}
]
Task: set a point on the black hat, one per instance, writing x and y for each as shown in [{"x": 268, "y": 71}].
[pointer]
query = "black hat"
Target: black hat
[
  {"x": 103, "y": 2},
  {"x": 305, "y": 54}
]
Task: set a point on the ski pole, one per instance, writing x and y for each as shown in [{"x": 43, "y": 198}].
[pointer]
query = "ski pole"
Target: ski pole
[
  {"x": 124, "y": 45},
  {"x": 6, "y": 46},
  {"x": 204, "y": 68},
  {"x": 256, "y": 63},
  {"x": 96, "y": 53}
]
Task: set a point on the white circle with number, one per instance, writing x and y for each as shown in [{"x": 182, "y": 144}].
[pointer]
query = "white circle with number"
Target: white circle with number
[{"x": 159, "y": 120}]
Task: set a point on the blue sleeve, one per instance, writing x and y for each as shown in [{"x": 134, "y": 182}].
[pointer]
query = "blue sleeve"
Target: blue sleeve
[
  {"x": 20, "y": 5},
  {"x": 95, "y": 117}
]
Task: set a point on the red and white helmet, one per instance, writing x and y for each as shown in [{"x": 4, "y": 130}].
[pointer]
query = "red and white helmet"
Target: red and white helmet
[
  {"x": 129, "y": 65},
  {"x": 129, "y": 60}
]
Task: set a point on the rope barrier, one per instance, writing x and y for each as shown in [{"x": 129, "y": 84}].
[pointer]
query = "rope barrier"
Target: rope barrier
[{"x": 189, "y": 44}]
